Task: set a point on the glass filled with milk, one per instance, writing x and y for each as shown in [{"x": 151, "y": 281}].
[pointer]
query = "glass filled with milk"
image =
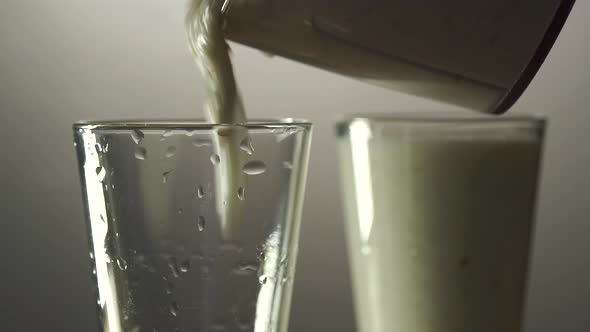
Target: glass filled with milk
[
  {"x": 185, "y": 236},
  {"x": 439, "y": 213}
]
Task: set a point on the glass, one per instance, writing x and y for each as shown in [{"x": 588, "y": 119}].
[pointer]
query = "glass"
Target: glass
[
  {"x": 193, "y": 227},
  {"x": 439, "y": 214}
]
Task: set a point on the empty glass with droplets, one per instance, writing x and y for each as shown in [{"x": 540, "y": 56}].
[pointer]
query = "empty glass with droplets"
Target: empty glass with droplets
[{"x": 193, "y": 227}]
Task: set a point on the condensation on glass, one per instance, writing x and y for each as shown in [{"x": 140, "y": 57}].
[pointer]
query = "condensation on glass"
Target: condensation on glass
[{"x": 161, "y": 257}]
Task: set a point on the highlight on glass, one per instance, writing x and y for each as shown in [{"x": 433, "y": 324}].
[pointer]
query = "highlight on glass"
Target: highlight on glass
[{"x": 439, "y": 213}]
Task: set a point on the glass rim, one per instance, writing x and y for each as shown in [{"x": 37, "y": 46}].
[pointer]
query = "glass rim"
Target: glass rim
[
  {"x": 189, "y": 124},
  {"x": 420, "y": 117},
  {"x": 446, "y": 123}
]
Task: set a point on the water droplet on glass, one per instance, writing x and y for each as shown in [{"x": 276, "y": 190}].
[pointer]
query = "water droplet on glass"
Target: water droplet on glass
[
  {"x": 286, "y": 133},
  {"x": 246, "y": 145},
  {"x": 102, "y": 218},
  {"x": 137, "y": 136},
  {"x": 106, "y": 148},
  {"x": 261, "y": 255},
  {"x": 166, "y": 175},
  {"x": 140, "y": 153},
  {"x": 94, "y": 271},
  {"x": 167, "y": 133},
  {"x": 100, "y": 173},
  {"x": 122, "y": 264},
  {"x": 199, "y": 142},
  {"x": 254, "y": 167},
  {"x": 214, "y": 159},
  {"x": 262, "y": 279},
  {"x": 173, "y": 265},
  {"x": 91, "y": 255},
  {"x": 200, "y": 192},
  {"x": 191, "y": 133},
  {"x": 98, "y": 148},
  {"x": 174, "y": 309},
  {"x": 170, "y": 152},
  {"x": 185, "y": 266},
  {"x": 245, "y": 268},
  {"x": 180, "y": 211},
  {"x": 201, "y": 223},
  {"x": 241, "y": 193},
  {"x": 285, "y": 280},
  {"x": 169, "y": 287},
  {"x": 287, "y": 165}
]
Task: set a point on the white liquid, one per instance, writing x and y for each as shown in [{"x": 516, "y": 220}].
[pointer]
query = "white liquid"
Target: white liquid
[
  {"x": 438, "y": 231},
  {"x": 222, "y": 105}
]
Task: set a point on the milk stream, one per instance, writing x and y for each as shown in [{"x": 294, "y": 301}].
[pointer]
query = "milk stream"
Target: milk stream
[{"x": 223, "y": 105}]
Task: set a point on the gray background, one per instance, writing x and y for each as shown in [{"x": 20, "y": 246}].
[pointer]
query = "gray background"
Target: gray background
[{"x": 65, "y": 60}]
